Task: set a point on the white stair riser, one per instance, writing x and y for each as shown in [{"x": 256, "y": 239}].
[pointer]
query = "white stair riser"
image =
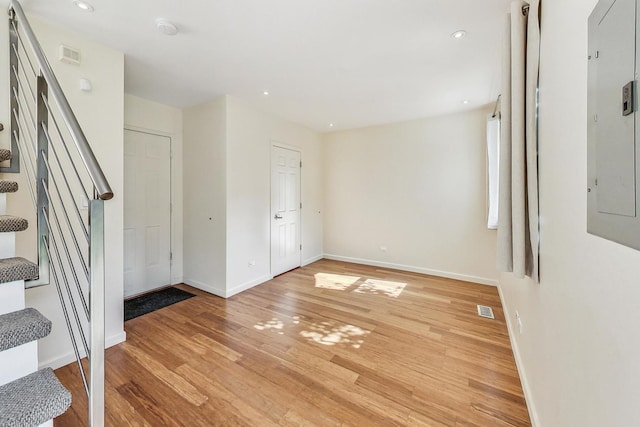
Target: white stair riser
[
  {"x": 7, "y": 245},
  {"x": 18, "y": 362},
  {"x": 11, "y": 297},
  {"x": 22, "y": 360}
]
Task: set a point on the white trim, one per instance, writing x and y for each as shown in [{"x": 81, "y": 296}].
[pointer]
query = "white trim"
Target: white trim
[
  {"x": 312, "y": 260},
  {"x": 248, "y": 285},
  {"x": 528, "y": 395},
  {"x": 141, "y": 291},
  {"x": 149, "y": 131},
  {"x": 116, "y": 339},
  {"x": 224, "y": 293},
  {"x": 172, "y": 202},
  {"x": 413, "y": 269},
  {"x": 67, "y": 358},
  {"x": 275, "y": 143},
  {"x": 205, "y": 287}
]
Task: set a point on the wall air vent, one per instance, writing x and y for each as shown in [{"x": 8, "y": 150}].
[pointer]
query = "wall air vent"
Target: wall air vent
[
  {"x": 484, "y": 311},
  {"x": 69, "y": 55}
]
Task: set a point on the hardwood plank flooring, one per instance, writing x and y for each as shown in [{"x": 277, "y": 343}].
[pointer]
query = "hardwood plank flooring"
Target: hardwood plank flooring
[{"x": 330, "y": 344}]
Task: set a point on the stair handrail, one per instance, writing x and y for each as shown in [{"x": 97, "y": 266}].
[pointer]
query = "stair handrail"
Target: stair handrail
[
  {"x": 100, "y": 183},
  {"x": 31, "y": 143}
]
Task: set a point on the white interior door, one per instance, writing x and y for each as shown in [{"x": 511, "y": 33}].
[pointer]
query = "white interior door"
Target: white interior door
[
  {"x": 147, "y": 212},
  {"x": 285, "y": 210}
]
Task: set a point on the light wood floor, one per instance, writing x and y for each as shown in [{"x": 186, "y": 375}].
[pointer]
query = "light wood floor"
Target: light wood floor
[{"x": 325, "y": 345}]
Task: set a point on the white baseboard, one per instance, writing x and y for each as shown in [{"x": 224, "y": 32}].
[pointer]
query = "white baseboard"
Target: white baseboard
[
  {"x": 115, "y": 339},
  {"x": 205, "y": 287},
  {"x": 248, "y": 285},
  {"x": 141, "y": 291},
  {"x": 312, "y": 260},
  {"x": 533, "y": 414},
  {"x": 226, "y": 293},
  {"x": 65, "y": 359},
  {"x": 413, "y": 269}
]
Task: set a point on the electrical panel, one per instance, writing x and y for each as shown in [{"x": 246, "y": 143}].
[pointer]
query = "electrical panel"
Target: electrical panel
[{"x": 613, "y": 155}]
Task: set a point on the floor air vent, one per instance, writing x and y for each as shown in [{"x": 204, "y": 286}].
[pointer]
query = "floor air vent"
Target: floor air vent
[{"x": 484, "y": 311}]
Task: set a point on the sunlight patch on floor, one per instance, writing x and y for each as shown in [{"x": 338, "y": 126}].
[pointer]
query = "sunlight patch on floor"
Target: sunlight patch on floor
[
  {"x": 325, "y": 333},
  {"x": 338, "y": 282},
  {"x": 273, "y": 324},
  {"x": 276, "y": 325},
  {"x": 332, "y": 333},
  {"x": 341, "y": 282},
  {"x": 381, "y": 287}
]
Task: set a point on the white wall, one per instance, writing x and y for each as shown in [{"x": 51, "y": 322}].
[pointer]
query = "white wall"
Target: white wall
[
  {"x": 250, "y": 135},
  {"x": 580, "y": 345},
  {"x": 227, "y": 149},
  {"x": 100, "y": 114},
  {"x": 417, "y": 188},
  {"x": 147, "y": 116},
  {"x": 205, "y": 195}
]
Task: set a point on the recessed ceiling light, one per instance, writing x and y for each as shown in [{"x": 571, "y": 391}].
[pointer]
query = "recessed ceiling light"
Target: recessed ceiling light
[
  {"x": 459, "y": 34},
  {"x": 165, "y": 27},
  {"x": 265, "y": 93},
  {"x": 466, "y": 101},
  {"x": 330, "y": 125},
  {"x": 83, "y": 5}
]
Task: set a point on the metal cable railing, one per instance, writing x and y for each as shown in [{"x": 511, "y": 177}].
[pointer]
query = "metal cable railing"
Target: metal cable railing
[{"x": 70, "y": 222}]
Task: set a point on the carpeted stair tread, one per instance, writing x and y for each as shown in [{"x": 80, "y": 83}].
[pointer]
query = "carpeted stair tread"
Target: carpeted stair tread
[
  {"x": 7, "y": 186},
  {"x": 9, "y": 223},
  {"x": 33, "y": 400},
  {"x": 21, "y": 327},
  {"x": 12, "y": 269},
  {"x": 5, "y": 155}
]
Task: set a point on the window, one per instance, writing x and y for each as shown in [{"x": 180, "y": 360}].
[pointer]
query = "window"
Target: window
[{"x": 493, "y": 168}]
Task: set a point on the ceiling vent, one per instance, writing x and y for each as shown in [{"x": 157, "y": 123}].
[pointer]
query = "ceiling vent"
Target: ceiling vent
[
  {"x": 69, "y": 55},
  {"x": 484, "y": 311}
]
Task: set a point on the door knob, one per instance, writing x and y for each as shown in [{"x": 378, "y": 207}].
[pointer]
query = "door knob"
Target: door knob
[{"x": 277, "y": 216}]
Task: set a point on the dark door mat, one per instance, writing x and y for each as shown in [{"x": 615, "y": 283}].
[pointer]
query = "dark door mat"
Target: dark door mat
[{"x": 147, "y": 303}]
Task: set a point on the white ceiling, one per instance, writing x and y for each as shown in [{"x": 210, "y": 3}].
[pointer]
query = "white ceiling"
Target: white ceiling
[{"x": 353, "y": 63}]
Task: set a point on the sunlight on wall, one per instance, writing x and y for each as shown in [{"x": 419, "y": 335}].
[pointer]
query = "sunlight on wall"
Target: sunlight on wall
[
  {"x": 381, "y": 287},
  {"x": 336, "y": 282},
  {"x": 331, "y": 333}
]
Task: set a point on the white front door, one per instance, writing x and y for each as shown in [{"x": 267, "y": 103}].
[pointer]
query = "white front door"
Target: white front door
[
  {"x": 147, "y": 212},
  {"x": 285, "y": 210}
]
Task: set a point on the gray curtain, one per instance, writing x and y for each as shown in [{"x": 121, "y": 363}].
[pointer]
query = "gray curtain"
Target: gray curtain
[{"x": 518, "y": 203}]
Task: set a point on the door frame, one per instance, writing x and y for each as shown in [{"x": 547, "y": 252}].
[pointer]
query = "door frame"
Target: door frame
[
  {"x": 278, "y": 144},
  {"x": 171, "y": 201}
]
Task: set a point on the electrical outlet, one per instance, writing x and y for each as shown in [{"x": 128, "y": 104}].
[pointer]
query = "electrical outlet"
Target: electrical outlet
[
  {"x": 519, "y": 322},
  {"x": 383, "y": 248},
  {"x": 252, "y": 263}
]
